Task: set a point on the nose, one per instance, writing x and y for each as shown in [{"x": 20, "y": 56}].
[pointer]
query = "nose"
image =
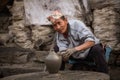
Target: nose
[{"x": 57, "y": 27}]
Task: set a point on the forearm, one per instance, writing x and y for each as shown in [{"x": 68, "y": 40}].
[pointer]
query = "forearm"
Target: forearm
[{"x": 84, "y": 46}]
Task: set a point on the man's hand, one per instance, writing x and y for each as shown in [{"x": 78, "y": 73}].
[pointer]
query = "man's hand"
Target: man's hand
[
  {"x": 68, "y": 53},
  {"x": 60, "y": 53}
]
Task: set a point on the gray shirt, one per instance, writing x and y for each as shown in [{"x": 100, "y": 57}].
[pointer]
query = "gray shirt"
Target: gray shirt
[{"x": 78, "y": 34}]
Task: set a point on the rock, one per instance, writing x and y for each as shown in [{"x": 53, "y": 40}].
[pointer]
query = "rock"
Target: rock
[
  {"x": 17, "y": 10},
  {"x": 106, "y": 26},
  {"x": 5, "y": 38},
  {"x": 65, "y": 75},
  {"x": 38, "y": 56},
  {"x": 38, "y": 13},
  {"x": 14, "y": 69},
  {"x": 99, "y": 4},
  {"x": 13, "y": 55}
]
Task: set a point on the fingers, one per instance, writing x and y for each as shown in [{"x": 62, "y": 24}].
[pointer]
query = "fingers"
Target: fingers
[
  {"x": 66, "y": 56},
  {"x": 59, "y": 53}
]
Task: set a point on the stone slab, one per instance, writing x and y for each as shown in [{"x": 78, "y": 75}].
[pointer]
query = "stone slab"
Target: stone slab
[{"x": 65, "y": 75}]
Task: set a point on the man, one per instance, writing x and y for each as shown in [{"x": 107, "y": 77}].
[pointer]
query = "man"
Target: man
[{"x": 76, "y": 42}]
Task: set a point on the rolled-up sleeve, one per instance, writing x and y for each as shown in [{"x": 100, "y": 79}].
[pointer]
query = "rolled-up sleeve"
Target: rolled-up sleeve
[{"x": 84, "y": 33}]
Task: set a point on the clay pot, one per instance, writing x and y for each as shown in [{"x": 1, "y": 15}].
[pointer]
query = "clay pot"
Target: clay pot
[{"x": 53, "y": 62}]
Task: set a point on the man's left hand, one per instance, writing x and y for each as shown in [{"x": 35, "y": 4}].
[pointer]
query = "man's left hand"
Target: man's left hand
[{"x": 68, "y": 53}]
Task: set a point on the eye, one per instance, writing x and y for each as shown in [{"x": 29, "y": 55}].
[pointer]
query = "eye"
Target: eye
[{"x": 59, "y": 23}]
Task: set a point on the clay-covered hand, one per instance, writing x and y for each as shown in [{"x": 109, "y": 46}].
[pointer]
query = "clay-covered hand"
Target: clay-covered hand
[
  {"x": 61, "y": 52},
  {"x": 68, "y": 53}
]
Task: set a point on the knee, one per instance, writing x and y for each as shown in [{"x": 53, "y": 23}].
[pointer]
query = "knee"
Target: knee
[{"x": 97, "y": 49}]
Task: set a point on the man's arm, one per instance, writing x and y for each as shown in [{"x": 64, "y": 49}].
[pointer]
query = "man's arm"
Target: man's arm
[
  {"x": 85, "y": 45},
  {"x": 82, "y": 47}
]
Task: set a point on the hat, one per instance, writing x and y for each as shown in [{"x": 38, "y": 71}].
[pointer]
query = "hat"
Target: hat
[{"x": 55, "y": 15}]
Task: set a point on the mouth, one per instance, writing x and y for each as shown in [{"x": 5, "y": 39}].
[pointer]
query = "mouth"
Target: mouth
[{"x": 60, "y": 31}]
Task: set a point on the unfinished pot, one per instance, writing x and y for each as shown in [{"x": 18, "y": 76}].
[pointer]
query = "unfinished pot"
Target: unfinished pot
[{"x": 53, "y": 62}]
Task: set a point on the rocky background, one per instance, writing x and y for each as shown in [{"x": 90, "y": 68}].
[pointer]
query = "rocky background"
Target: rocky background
[
  {"x": 101, "y": 16},
  {"x": 20, "y": 26}
]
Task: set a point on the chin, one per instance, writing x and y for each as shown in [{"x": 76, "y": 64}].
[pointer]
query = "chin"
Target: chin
[{"x": 62, "y": 32}]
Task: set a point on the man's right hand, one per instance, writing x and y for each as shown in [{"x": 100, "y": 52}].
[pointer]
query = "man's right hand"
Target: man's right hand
[
  {"x": 66, "y": 53},
  {"x": 61, "y": 53}
]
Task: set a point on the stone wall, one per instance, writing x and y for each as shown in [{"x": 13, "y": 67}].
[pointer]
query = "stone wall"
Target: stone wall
[
  {"x": 28, "y": 36},
  {"x": 106, "y": 22},
  {"x": 17, "y": 28},
  {"x": 102, "y": 16},
  {"x": 30, "y": 25}
]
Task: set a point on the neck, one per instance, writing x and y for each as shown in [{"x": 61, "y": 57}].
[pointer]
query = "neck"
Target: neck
[{"x": 66, "y": 32}]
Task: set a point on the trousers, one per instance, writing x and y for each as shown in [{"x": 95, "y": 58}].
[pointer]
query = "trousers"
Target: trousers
[{"x": 96, "y": 54}]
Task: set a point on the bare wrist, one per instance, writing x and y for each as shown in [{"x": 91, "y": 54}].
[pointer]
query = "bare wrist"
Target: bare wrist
[{"x": 76, "y": 48}]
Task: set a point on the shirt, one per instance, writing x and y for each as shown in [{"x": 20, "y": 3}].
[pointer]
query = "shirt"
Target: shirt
[{"x": 78, "y": 34}]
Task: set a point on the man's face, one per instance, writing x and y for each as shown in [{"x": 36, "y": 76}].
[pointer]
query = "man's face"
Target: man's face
[{"x": 60, "y": 25}]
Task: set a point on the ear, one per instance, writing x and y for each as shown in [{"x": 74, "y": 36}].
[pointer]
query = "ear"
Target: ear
[{"x": 66, "y": 20}]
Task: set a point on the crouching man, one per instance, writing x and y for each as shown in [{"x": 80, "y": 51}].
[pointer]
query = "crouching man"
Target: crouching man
[{"x": 74, "y": 41}]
